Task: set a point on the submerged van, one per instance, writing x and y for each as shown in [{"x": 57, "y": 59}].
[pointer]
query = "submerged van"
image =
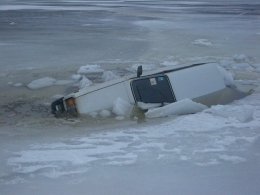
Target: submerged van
[{"x": 161, "y": 87}]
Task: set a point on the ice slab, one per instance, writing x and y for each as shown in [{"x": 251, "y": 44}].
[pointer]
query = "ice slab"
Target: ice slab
[
  {"x": 76, "y": 77},
  {"x": 202, "y": 42},
  {"x": 47, "y": 82},
  {"x": 185, "y": 106},
  {"x": 84, "y": 82},
  {"x": 108, "y": 76},
  {"x": 242, "y": 113},
  {"x": 41, "y": 83},
  {"x": 145, "y": 106},
  {"x": 227, "y": 76},
  {"x": 90, "y": 69}
]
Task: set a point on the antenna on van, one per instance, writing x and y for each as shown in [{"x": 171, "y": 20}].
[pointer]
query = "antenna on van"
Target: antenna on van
[{"x": 139, "y": 71}]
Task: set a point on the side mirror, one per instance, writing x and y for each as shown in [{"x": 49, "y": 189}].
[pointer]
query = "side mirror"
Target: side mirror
[{"x": 139, "y": 71}]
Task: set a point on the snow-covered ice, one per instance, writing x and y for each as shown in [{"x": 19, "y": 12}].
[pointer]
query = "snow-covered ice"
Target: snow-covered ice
[
  {"x": 243, "y": 113},
  {"x": 84, "y": 82},
  {"x": 227, "y": 76},
  {"x": 17, "y": 84},
  {"x": 108, "y": 76},
  {"x": 214, "y": 140},
  {"x": 41, "y": 83},
  {"x": 181, "y": 107},
  {"x": 202, "y": 42},
  {"x": 46, "y": 82},
  {"x": 90, "y": 69}
]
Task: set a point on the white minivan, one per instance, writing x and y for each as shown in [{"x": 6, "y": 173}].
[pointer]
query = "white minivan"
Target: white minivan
[{"x": 160, "y": 87}]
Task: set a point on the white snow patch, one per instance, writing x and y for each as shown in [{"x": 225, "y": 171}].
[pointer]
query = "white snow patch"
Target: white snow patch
[
  {"x": 145, "y": 106},
  {"x": 242, "y": 62},
  {"x": 84, "y": 82},
  {"x": 90, "y": 69},
  {"x": 208, "y": 163},
  {"x": 227, "y": 76},
  {"x": 231, "y": 158},
  {"x": 127, "y": 159},
  {"x": 18, "y": 85},
  {"x": 119, "y": 118},
  {"x": 121, "y": 107},
  {"x": 86, "y": 25},
  {"x": 242, "y": 113},
  {"x": 241, "y": 58},
  {"x": 243, "y": 66},
  {"x": 226, "y": 62},
  {"x": 47, "y": 82},
  {"x": 54, "y": 173},
  {"x": 16, "y": 180},
  {"x": 182, "y": 107},
  {"x": 109, "y": 75},
  {"x": 202, "y": 42},
  {"x": 170, "y": 63},
  {"x": 184, "y": 158},
  {"x": 76, "y": 77},
  {"x": 41, "y": 83}
]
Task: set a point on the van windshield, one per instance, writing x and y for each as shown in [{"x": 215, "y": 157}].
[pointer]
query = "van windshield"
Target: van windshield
[{"x": 153, "y": 89}]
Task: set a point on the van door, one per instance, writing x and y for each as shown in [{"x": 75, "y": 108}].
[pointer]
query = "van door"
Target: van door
[{"x": 153, "y": 89}]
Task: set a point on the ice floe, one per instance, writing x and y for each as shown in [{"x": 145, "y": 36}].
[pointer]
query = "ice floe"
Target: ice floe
[
  {"x": 15, "y": 84},
  {"x": 47, "y": 82},
  {"x": 242, "y": 113},
  {"x": 241, "y": 58},
  {"x": 227, "y": 76},
  {"x": 232, "y": 158},
  {"x": 202, "y": 42},
  {"x": 90, "y": 69},
  {"x": 84, "y": 82},
  {"x": 109, "y": 75},
  {"x": 170, "y": 63},
  {"x": 76, "y": 77},
  {"x": 185, "y": 106},
  {"x": 146, "y": 106},
  {"x": 41, "y": 83},
  {"x": 18, "y": 85}
]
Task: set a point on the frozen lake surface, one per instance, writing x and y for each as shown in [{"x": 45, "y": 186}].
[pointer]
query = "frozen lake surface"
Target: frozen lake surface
[{"x": 50, "y": 48}]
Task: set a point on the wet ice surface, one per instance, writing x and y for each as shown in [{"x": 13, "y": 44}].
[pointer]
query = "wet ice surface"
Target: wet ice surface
[{"x": 53, "y": 46}]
